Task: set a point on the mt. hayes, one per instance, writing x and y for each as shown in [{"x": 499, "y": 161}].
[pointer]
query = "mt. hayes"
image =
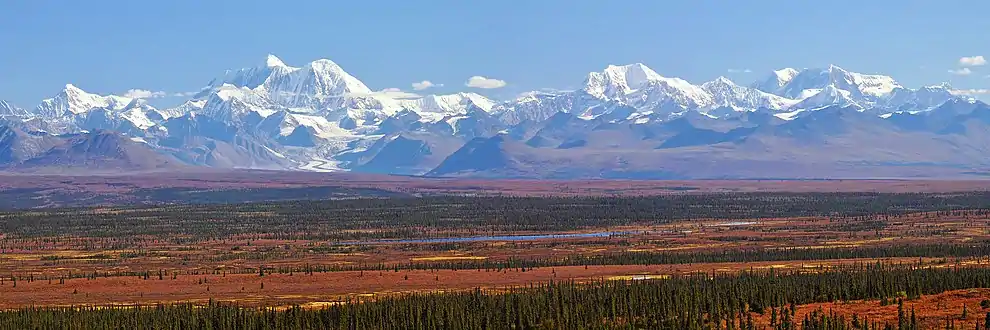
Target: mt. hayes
[{"x": 626, "y": 122}]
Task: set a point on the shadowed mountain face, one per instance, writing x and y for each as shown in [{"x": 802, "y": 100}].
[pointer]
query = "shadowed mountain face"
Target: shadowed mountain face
[
  {"x": 100, "y": 151},
  {"x": 408, "y": 153},
  {"x": 479, "y": 155},
  {"x": 626, "y": 121},
  {"x": 830, "y": 142},
  {"x": 16, "y": 145}
]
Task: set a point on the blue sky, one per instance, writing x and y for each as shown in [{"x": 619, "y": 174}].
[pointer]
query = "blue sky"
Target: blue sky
[{"x": 176, "y": 46}]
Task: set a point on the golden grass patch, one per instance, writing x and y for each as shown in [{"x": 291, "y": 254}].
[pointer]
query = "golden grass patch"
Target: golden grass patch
[
  {"x": 448, "y": 258},
  {"x": 638, "y": 277}
]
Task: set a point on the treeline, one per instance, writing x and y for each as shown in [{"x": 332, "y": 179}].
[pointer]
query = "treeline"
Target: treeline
[
  {"x": 697, "y": 301},
  {"x": 363, "y": 219},
  {"x": 946, "y": 252},
  {"x": 28, "y": 198},
  {"x": 978, "y": 250}
]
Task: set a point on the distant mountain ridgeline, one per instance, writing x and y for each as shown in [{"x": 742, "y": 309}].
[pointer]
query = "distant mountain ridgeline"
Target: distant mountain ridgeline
[{"x": 625, "y": 122}]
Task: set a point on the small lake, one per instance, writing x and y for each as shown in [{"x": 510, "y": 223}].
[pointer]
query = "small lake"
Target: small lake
[
  {"x": 736, "y": 223},
  {"x": 495, "y": 238}
]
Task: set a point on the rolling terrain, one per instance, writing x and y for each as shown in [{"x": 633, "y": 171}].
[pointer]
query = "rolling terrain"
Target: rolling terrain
[{"x": 198, "y": 185}]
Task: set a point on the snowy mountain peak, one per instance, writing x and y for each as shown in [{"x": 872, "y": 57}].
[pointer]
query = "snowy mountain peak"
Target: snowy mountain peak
[
  {"x": 875, "y": 86},
  {"x": 7, "y": 109},
  {"x": 785, "y": 74},
  {"x": 631, "y": 76},
  {"x": 726, "y": 93},
  {"x": 326, "y": 65},
  {"x": 327, "y": 73},
  {"x": 835, "y": 68},
  {"x": 829, "y": 95},
  {"x": 73, "y": 100},
  {"x": 638, "y": 85},
  {"x": 141, "y": 115},
  {"x": 294, "y": 87},
  {"x": 480, "y": 101},
  {"x": 869, "y": 88},
  {"x": 721, "y": 80},
  {"x": 274, "y": 61},
  {"x": 459, "y": 103},
  {"x": 232, "y": 104},
  {"x": 137, "y": 103},
  {"x": 776, "y": 80},
  {"x": 72, "y": 89}
]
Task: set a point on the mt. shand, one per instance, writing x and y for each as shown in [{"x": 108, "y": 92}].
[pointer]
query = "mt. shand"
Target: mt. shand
[{"x": 625, "y": 122}]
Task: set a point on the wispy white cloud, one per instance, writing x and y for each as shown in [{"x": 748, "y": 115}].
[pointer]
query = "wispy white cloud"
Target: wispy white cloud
[
  {"x": 144, "y": 94},
  {"x": 184, "y": 94},
  {"x": 740, "y": 70},
  {"x": 486, "y": 83},
  {"x": 970, "y": 92},
  {"x": 396, "y": 93},
  {"x": 424, "y": 85},
  {"x": 972, "y": 61},
  {"x": 961, "y": 72}
]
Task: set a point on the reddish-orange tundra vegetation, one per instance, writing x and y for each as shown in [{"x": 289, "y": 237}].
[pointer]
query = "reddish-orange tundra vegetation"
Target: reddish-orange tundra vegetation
[{"x": 209, "y": 269}]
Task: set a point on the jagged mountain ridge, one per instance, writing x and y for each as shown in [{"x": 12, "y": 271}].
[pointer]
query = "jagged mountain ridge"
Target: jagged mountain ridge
[{"x": 320, "y": 117}]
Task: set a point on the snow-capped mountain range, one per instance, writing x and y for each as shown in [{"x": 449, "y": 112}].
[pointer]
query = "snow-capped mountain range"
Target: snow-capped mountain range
[{"x": 319, "y": 117}]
